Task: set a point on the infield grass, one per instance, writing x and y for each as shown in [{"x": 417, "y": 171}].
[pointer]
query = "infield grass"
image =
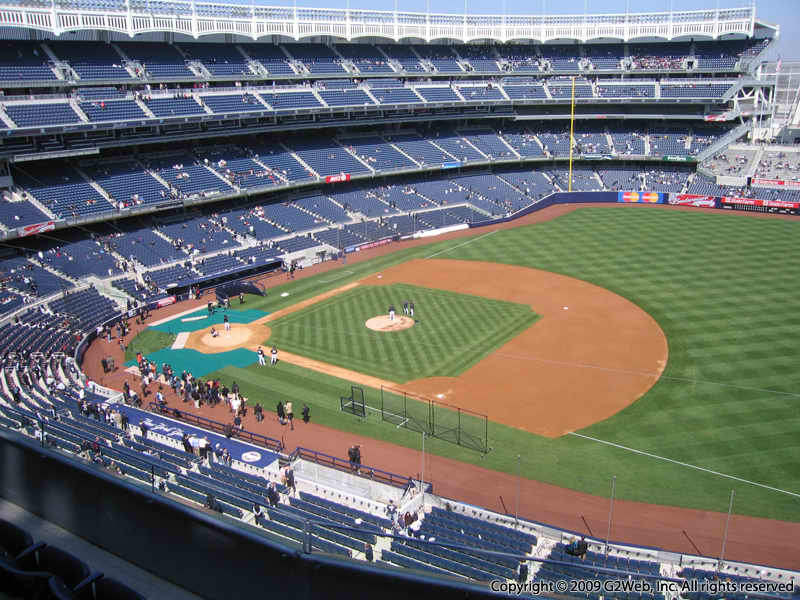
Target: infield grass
[
  {"x": 452, "y": 331},
  {"x": 148, "y": 341},
  {"x": 723, "y": 287}
]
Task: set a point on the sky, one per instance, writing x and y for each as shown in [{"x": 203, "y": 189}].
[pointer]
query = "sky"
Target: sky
[{"x": 785, "y": 13}]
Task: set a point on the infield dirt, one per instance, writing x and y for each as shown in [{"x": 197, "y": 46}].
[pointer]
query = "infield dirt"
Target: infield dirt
[
  {"x": 590, "y": 355},
  {"x": 676, "y": 529}
]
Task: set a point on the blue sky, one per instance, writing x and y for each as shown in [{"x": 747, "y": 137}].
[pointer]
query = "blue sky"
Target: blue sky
[{"x": 785, "y": 13}]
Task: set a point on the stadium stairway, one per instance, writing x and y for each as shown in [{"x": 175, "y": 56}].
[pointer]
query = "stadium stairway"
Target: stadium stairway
[
  {"x": 220, "y": 177},
  {"x": 6, "y": 119},
  {"x": 100, "y": 190},
  {"x": 46, "y": 266},
  {"x": 724, "y": 141},
  {"x": 145, "y": 109},
  {"x": 157, "y": 177},
  {"x": 296, "y": 156},
  {"x": 404, "y": 153},
  {"x": 356, "y": 156},
  {"x": 29, "y": 198},
  {"x": 78, "y": 110}
]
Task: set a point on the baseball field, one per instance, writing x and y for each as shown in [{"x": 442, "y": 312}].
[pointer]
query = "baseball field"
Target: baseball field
[{"x": 655, "y": 346}]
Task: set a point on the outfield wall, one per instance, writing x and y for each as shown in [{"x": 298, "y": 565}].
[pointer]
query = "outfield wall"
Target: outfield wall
[{"x": 672, "y": 199}]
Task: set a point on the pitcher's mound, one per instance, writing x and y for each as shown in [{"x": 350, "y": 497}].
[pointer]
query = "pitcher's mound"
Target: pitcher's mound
[
  {"x": 383, "y": 323},
  {"x": 237, "y": 336}
]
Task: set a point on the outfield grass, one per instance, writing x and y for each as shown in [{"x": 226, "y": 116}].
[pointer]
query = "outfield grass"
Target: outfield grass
[
  {"x": 439, "y": 344},
  {"x": 722, "y": 286},
  {"x": 148, "y": 341}
]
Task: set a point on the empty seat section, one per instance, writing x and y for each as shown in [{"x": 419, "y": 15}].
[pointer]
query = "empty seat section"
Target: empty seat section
[
  {"x": 441, "y": 57},
  {"x": 366, "y": 57},
  {"x": 480, "y": 92},
  {"x": 290, "y": 100},
  {"x": 174, "y": 107},
  {"x": 62, "y": 190},
  {"x": 143, "y": 246},
  {"x": 158, "y": 60},
  {"x": 404, "y": 56},
  {"x": 455, "y": 145},
  {"x": 317, "y": 58},
  {"x": 20, "y": 60},
  {"x": 271, "y": 57},
  {"x": 421, "y": 149},
  {"x": 438, "y": 94},
  {"x": 221, "y": 60},
  {"x": 377, "y": 153},
  {"x": 482, "y": 59},
  {"x": 326, "y": 159},
  {"x": 488, "y": 142},
  {"x": 128, "y": 182},
  {"x": 113, "y": 110},
  {"x": 345, "y": 97},
  {"x": 92, "y": 60},
  {"x": 233, "y": 103},
  {"x": 189, "y": 178},
  {"x": 277, "y": 158},
  {"x": 19, "y": 214},
  {"x": 395, "y": 96},
  {"x": 41, "y": 114}
]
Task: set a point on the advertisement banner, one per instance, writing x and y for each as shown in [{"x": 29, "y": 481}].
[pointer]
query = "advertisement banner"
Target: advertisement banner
[
  {"x": 368, "y": 245},
  {"x": 36, "y": 228},
  {"x": 692, "y": 200},
  {"x": 640, "y": 197},
  {"x": 341, "y": 177},
  {"x": 674, "y": 158},
  {"x": 764, "y": 203},
  {"x": 166, "y": 301},
  {"x": 794, "y": 185},
  {"x": 451, "y": 165}
]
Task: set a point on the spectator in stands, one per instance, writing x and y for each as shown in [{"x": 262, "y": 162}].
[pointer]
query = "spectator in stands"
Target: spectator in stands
[
  {"x": 522, "y": 572},
  {"x": 391, "y": 510},
  {"x": 578, "y": 548},
  {"x": 368, "y": 552},
  {"x": 272, "y": 494},
  {"x": 288, "y": 480}
]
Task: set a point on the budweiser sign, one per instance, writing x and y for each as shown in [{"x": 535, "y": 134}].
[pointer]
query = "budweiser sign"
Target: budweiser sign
[
  {"x": 795, "y": 185},
  {"x": 36, "y": 228},
  {"x": 341, "y": 177}
]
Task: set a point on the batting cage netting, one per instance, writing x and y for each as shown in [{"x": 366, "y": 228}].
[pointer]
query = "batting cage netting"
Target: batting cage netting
[{"x": 435, "y": 418}]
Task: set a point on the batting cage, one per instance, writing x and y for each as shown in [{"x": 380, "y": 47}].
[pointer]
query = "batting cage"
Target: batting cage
[
  {"x": 354, "y": 403},
  {"x": 436, "y": 419}
]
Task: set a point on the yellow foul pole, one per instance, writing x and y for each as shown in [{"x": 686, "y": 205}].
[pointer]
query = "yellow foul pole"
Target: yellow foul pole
[{"x": 571, "y": 132}]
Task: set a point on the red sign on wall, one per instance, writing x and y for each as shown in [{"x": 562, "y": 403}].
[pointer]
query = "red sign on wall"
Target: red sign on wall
[{"x": 341, "y": 177}]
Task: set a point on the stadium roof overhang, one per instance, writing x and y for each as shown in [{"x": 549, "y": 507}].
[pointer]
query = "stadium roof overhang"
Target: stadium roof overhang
[{"x": 132, "y": 18}]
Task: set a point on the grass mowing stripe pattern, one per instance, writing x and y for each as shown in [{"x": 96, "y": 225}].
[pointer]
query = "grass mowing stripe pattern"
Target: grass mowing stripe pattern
[
  {"x": 453, "y": 331},
  {"x": 724, "y": 289}
]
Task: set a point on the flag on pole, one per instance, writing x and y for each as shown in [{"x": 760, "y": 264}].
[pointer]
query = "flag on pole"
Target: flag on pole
[{"x": 778, "y": 66}]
